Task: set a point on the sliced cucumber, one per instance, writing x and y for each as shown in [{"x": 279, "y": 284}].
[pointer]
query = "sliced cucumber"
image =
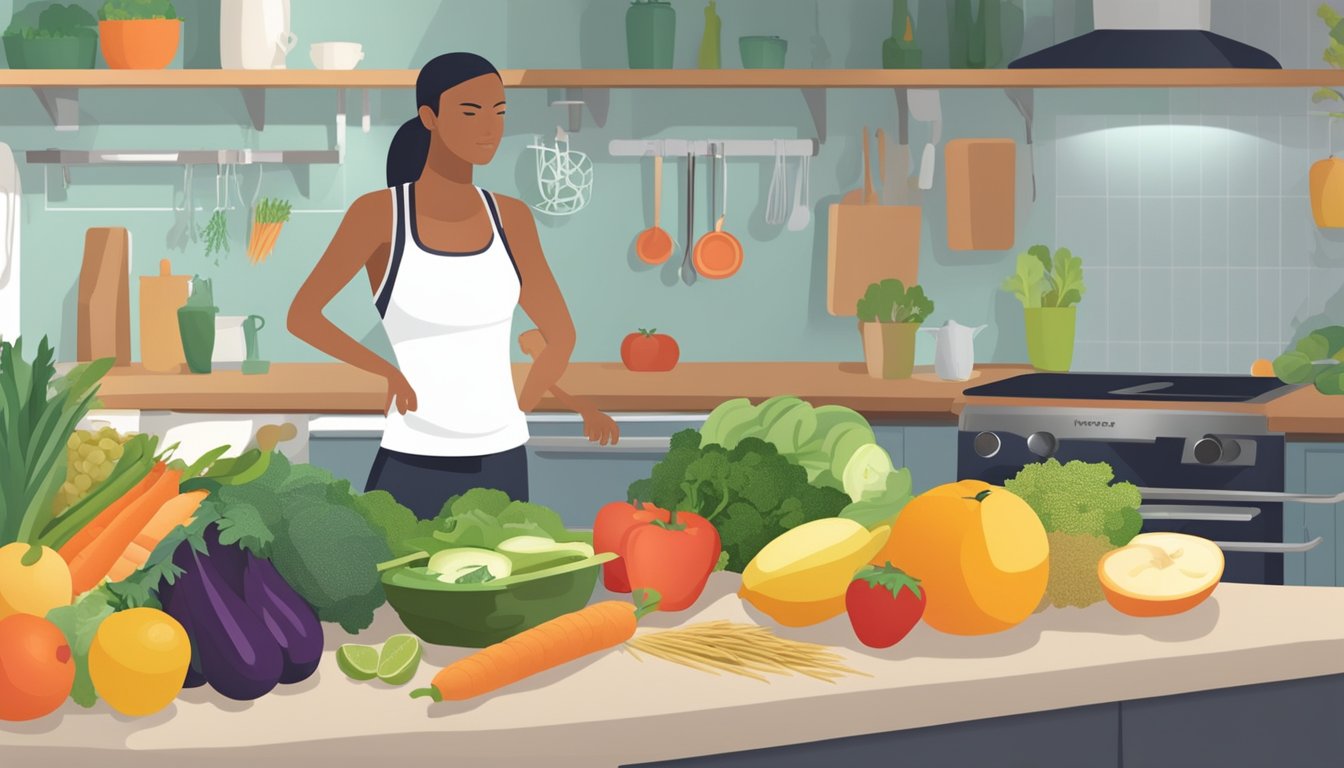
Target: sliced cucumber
[
  {"x": 530, "y": 553},
  {"x": 454, "y": 564}
]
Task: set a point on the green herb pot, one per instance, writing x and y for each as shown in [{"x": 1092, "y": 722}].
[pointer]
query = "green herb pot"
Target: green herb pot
[
  {"x": 197, "y": 325},
  {"x": 762, "y": 52},
  {"x": 889, "y": 349},
  {"x": 650, "y": 34},
  {"x": 75, "y": 52},
  {"x": 1050, "y": 333}
]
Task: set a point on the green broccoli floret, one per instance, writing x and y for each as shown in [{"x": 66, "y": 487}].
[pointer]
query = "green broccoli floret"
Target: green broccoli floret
[
  {"x": 1073, "y": 569},
  {"x": 488, "y": 500},
  {"x": 742, "y": 533},
  {"x": 329, "y": 555},
  {"x": 705, "y": 483},
  {"x": 663, "y": 487},
  {"x": 1078, "y": 498},
  {"x": 398, "y": 525}
]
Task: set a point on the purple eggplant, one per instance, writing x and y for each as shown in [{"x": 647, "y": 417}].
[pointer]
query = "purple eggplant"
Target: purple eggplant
[
  {"x": 238, "y": 656},
  {"x": 291, "y": 621},
  {"x": 229, "y": 561},
  {"x": 175, "y": 605}
]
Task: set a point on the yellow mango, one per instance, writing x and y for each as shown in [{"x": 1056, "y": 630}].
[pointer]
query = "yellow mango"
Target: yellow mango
[{"x": 800, "y": 578}]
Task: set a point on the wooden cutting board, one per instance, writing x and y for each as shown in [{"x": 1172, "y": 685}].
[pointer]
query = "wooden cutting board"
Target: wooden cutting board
[
  {"x": 867, "y": 244},
  {"x": 160, "y": 337},
  {"x": 981, "y": 192},
  {"x": 103, "y": 322}
]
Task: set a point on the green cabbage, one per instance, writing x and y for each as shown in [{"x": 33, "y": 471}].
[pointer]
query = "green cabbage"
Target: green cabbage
[{"x": 866, "y": 473}]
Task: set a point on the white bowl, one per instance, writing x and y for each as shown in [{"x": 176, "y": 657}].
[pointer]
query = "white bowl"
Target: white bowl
[{"x": 336, "y": 55}]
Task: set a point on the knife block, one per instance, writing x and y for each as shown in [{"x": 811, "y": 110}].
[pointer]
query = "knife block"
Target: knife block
[{"x": 103, "y": 322}]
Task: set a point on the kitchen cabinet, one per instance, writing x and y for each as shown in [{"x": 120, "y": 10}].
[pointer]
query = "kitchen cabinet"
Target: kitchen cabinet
[
  {"x": 929, "y": 452},
  {"x": 1315, "y": 468}
]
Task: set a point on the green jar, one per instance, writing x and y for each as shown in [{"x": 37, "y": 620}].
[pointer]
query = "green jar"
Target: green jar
[{"x": 650, "y": 34}]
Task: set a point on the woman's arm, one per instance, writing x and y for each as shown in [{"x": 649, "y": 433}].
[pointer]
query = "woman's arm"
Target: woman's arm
[
  {"x": 363, "y": 234},
  {"x": 597, "y": 426},
  {"x": 541, "y": 300}
]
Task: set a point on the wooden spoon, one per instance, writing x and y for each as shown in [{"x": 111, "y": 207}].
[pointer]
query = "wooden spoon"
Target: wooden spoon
[{"x": 654, "y": 244}]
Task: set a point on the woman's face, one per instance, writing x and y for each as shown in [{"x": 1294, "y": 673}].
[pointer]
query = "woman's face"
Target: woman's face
[{"x": 470, "y": 122}]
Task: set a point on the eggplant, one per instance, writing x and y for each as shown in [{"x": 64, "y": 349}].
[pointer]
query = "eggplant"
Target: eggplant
[
  {"x": 291, "y": 621},
  {"x": 229, "y": 560},
  {"x": 238, "y": 656},
  {"x": 174, "y": 605}
]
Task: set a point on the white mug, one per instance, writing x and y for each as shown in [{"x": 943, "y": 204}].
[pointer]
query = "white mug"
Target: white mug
[{"x": 336, "y": 55}]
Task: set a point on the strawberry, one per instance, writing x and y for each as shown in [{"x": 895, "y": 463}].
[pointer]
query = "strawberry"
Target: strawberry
[{"x": 884, "y": 604}]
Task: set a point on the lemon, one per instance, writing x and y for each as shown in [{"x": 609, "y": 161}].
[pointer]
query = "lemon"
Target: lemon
[
  {"x": 399, "y": 659},
  {"x": 358, "y": 662},
  {"x": 138, "y": 660}
]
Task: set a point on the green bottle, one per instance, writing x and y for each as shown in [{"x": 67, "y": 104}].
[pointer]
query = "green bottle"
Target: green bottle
[
  {"x": 900, "y": 51},
  {"x": 710, "y": 46},
  {"x": 959, "y": 35},
  {"x": 650, "y": 34},
  {"x": 975, "y": 47}
]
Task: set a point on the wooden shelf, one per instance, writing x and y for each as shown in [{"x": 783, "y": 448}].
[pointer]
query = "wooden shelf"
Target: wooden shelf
[{"x": 688, "y": 78}]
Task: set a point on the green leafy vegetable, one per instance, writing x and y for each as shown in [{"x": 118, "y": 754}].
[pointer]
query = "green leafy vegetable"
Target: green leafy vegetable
[
  {"x": 38, "y": 413},
  {"x": 478, "y": 576},
  {"x": 272, "y": 211},
  {"x": 889, "y": 301},
  {"x": 882, "y": 508},
  {"x": 1042, "y": 281},
  {"x": 1315, "y": 358},
  {"x": 79, "y": 622},
  {"x": 216, "y": 234},
  {"x": 866, "y": 473},
  {"x": 1079, "y": 500},
  {"x": 129, "y": 10}
]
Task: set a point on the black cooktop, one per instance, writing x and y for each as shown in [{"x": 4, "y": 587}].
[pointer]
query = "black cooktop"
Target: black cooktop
[{"x": 1151, "y": 387}]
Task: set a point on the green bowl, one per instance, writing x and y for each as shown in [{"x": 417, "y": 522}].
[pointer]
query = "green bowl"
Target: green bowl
[
  {"x": 762, "y": 51},
  {"x": 477, "y": 615}
]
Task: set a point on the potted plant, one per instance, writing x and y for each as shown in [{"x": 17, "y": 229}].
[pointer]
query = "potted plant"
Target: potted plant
[
  {"x": 1049, "y": 289},
  {"x": 889, "y": 316},
  {"x": 139, "y": 34},
  {"x": 64, "y": 38}
]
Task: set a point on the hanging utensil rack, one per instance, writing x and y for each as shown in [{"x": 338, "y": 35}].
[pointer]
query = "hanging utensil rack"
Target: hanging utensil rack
[
  {"x": 737, "y": 148},
  {"x": 185, "y": 157}
]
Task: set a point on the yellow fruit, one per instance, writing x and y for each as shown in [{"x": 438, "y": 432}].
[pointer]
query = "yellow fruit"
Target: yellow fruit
[
  {"x": 32, "y": 587},
  {"x": 1160, "y": 574},
  {"x": 980, "y": 553},
  {"x": 800, "y": 578},
  {"x": 138, "y": 660}
]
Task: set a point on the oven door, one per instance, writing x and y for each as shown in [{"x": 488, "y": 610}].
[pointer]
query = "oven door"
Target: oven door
[{"x": 1179, "y": 495}]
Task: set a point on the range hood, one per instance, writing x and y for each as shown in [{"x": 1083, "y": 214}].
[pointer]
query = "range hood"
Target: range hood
[{"x": 1149, "y": 34}]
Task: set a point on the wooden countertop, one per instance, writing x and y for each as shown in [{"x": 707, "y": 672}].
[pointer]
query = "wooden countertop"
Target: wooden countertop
[
  {"x": 691, "y": 387},
  {"x": 612, "y": 709}
]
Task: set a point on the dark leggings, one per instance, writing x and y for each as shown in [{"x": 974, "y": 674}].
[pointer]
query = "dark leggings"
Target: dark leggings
[{"x": 424, "y": 483}]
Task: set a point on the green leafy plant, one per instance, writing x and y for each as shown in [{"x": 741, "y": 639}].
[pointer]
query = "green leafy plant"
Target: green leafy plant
[
  {"x": 57, "y": 21},
  {"x": 1317, "y": 358},
  {"x": 272, "y": 211},
  {"x": 216, "y": 234},
  {"x": 1042, "y": 281},
  {"x": 889, "y": 301},
  {"x": 131, "y": 10},
  {"x": 1334, "y": 55}
]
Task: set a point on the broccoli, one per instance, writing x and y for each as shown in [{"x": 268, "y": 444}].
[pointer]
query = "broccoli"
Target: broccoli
[
  {"x": 398, "y": 525},
  {"x": 488, "y": 500},
  {"x": 663, "y": 488},
  {"x": 1084, "y": 517}
]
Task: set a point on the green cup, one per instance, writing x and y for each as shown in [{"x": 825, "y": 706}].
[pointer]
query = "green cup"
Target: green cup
[
  {"x": 197, "y": 325},
  {"x": 1050, "y": 333}
]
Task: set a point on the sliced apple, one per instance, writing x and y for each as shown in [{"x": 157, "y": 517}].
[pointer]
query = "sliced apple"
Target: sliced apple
[{"x": 1160, "y": 574}]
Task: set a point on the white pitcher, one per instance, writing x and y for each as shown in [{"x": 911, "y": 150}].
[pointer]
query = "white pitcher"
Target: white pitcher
[
  {"x": 954, "y": 357},
  {"x": 254, "y": 34}
]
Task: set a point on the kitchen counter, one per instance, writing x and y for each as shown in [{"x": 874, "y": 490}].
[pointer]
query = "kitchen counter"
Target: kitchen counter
[
  {"x": 691, "y": 387},
  {"x": 613, "y": 709}
]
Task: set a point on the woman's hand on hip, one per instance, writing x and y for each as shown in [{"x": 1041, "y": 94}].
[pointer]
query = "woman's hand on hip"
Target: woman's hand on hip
[
  {"x": 600, "y": 428},
  {"x": 399, "y": 390}
]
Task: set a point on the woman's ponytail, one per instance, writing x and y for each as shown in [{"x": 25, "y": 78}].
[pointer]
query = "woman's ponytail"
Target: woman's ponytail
[{"x": 410, "y": 147}]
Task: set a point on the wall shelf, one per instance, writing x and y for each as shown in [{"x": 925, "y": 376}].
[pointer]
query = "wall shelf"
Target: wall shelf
[{"x": 373, "y": 79}]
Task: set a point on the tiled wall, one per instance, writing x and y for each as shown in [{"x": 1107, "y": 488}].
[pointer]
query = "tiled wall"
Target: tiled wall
[{"x": 1192, "y": 212}]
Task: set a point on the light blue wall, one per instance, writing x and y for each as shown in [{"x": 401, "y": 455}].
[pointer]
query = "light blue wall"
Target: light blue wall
[{"x": 1100, "y": 184}]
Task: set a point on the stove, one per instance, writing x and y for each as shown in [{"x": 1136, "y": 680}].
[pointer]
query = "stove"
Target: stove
[{"x": 1208, "y": 472}]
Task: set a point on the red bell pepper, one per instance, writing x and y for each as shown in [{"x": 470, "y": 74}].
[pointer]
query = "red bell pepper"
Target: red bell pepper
[
  {"x": 614, "y": 522},
  {"x": 673, "y": 557}
]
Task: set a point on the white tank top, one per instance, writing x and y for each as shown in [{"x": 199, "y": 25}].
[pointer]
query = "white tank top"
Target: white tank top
[{"x": 449, "y": 317}]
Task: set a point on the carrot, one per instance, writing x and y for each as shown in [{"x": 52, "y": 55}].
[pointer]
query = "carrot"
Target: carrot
[
  {"x": 176, "y": 511},
  {"x": 272, "y": 234},
  {"x": 561, "y": 640},
  {"x": 91, "y": 564},
  {"x": 97, "y": 525}
]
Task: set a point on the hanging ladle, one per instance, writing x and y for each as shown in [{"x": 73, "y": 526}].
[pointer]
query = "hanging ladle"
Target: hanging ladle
[{"x": 654, "y": 244}]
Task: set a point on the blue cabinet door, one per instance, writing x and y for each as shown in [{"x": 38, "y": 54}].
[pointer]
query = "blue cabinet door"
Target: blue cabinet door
[
  {"x": 1318, "y": 469},
  {"x": 930, "y": 453}
]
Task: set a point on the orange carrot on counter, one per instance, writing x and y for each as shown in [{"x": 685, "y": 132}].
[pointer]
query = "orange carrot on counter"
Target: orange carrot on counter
[
  {"x": 90, "y": 565},
  {"x": 174, "y": 512},
  {"x": 97, "y": 525},
  {"x": 561, "y": 640}
]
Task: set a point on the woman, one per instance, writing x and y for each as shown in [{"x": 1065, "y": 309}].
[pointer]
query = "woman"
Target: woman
[{"x": 448, "y": 263}]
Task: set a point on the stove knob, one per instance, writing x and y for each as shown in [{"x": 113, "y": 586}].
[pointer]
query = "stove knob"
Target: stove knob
[
  {"x": 1042, "y": 444},
  {"x": 987, "y": 445},
  {"x": 1212, "y": 449}
]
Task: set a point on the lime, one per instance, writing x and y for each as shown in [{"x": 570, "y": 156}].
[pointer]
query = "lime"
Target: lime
[
  {"x": 399, "y": 659},
  {"x": 358, "y": 662}
]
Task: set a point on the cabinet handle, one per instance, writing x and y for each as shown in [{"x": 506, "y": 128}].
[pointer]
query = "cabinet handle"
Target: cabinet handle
[
  {"x": 579, "y": 444},
  {"x": 1262, "y": 497},
  {"x": 1267, "y": 547},
  {"x": 1193, "y": 512}
]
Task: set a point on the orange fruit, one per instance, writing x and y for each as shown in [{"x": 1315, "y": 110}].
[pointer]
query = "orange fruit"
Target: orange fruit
[
  {"x": 138, "y": 660},
  {"x": 1263, "y": 367},
  {"x": 980, "y": 553},
  {"x": 36, "y": 668}
]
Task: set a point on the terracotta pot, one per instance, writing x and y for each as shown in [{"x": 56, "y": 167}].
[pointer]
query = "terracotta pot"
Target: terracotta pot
[
  {"x": 140, "y": 43},
  {"x": 889, "y": 349}
]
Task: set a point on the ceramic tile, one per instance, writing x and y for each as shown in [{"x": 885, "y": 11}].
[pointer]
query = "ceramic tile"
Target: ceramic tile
[
  {"x": 1186, "y": 240},
  {"x": 1213, "y": 306},
  {"x": 1214, "y": 157},
  {"x": 1125, "y": 358},
  {"x": 1081, "y": 161},
  {"x": 1269, "y": 177},
  {"x": 1297, "y": 232},
  {"x": 1124, "y": 298},
  {"x": 1244, "y": 149},
  {"x": 1240, "y": 357},
  {"x": 1243, "y": 223},
  {"x": 1243, "y": 306},
  {"x": 1155, "y": 169},
  {"x": 1295, "y": 306},
  {"x": 1081, "y": 226},
  {"x": 1155, "y": 305},
  {"x": 1155, "y": 235},
  {"x": 1214, "y": 359},
  {"x": 1123, "y": 150},
  {"x": 1213, "y": 215},
  {"x": 1269, "y": 301},
  {"x": 1187, "y": 357},
  {"x": 1156, "y": 357},
  {"x": 1123, "y": 232},
  {"x": 1186, "y": 174},
  {"x": 1293, "y": 155},
  {"x": 1269, "y": 217}
]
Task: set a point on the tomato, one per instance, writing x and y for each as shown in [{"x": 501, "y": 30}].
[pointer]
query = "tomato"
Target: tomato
[
  {"x": 610, "y": 530},
  {"x": 138, "y": 660},
  {"x": 884, "y": 604},
  {"x": 36, "y": 667},
  {"x": 650, "y": 351}
]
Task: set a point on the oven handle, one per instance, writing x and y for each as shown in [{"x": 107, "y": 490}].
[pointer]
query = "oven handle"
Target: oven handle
[
  {"x": 1200, "y": 513},
  {"x": 565, "y": 444},
  {"x": 1260, "y": 497},
  {"x": 1271, "y": 548}
]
